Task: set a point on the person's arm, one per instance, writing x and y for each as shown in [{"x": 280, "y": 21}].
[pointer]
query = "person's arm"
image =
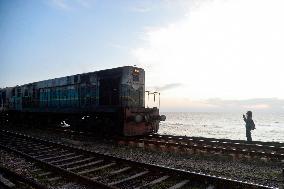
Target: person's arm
[{"x": 245, "y": 119}]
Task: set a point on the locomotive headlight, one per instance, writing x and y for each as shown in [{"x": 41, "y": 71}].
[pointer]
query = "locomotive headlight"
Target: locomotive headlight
[
  {"x": 135, "y": 72},
  {"x": 138, "y": 118},
  {"x": 135, "y": 75}
]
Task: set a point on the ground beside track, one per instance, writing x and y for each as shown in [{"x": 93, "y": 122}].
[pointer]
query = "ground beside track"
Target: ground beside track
[
  {"x": 23, "y": 167},
  {"x": 267, "y": 173}
]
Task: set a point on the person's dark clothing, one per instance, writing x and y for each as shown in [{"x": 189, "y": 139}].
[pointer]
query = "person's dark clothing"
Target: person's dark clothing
[
  {"x": 248, "y": 135},
  {"x": 249, "y": 126}
]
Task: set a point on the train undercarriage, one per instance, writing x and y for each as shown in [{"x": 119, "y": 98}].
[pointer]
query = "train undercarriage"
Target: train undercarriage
[{"x": 122, "y": 121}]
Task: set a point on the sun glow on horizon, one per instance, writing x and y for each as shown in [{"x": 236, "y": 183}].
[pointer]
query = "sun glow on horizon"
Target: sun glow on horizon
[{"x": 223, "y": 49}]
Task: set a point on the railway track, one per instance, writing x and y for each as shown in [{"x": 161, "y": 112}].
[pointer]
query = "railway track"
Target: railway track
[
  {"x": 236, "y": 148},
  {"x": 259, "y": 143},
  {"x": 273, "y": 151},
  {"x": 269, "y": 150},
  {"x": 10, "y": 179},
  {"x": 105, "y": 171},
  {"x": 40, "y": 175}
]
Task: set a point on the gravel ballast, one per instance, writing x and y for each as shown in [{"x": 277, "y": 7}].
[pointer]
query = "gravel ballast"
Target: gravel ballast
[
  {"x": 21, "y": 166},
  {"x": 261, "y": 172}
]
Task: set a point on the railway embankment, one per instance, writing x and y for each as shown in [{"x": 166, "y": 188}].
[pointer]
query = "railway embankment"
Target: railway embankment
[{"x": 258, "y": 171}]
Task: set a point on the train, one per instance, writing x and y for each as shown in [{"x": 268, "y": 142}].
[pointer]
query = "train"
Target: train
[{"x": 110, "y": 101}]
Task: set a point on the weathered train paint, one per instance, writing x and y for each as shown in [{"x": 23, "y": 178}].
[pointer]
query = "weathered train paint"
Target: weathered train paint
[
  {"x": 148, "y": 124},
  {"x": 113, "y": 95}
]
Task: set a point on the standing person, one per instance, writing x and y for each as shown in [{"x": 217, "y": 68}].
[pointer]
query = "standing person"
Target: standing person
[{"x": 249, "y": 125}]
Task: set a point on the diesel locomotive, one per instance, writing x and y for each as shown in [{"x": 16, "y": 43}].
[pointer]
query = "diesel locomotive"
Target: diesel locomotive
[{"x": 109, "y": 101}]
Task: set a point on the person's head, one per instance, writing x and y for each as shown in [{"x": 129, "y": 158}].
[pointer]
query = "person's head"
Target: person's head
[{"x": 249, "y": 114}]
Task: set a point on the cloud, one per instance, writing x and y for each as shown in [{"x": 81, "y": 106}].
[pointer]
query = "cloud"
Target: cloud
[
  {"x": 258, "y": 106},
  {"x": 165, "y": 5},
  {"x": 167, "y": 87},
  {"x": 219, "y": 105},
  {"x": 72, "y": 4},
  {"x": 224, "y": 49},
  {"x": 140, "y": 9},
  {"x": 116, "y": 46},
  {"x": 61, "y": 4},
  {"x": 86, "y": 3},
  {"x": 273, "y": 104}
]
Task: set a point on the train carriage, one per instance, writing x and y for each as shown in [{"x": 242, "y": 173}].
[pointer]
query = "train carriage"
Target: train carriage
[{"x": 110, "y": 101}]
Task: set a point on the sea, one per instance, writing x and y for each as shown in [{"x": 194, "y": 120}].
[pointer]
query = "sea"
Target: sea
[{"x": 269, "y": 126}]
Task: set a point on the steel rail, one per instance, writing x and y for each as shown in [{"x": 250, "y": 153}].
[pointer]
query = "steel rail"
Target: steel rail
[
  {"x": 17, "y": 177},
  {"x": 230, "y": 141},
  {"x": 210, "y": 146},
  {"x": 195, "y": 177}
]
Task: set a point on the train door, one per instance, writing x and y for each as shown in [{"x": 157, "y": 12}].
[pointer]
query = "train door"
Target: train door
[{"x": 109, "y": 91}]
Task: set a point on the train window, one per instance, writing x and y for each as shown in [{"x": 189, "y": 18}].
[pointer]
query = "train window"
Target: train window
[
  {"x": 4, "y": 97},
  {"x": 75, "y": 78},
  {"x": 26, "y": 92},
  {"x": 68, "y": 80},
  {"x": 85, "y": 78},
  {"x": 19, "y": 94},
  {"x": 34, "y": 92},
  {"x": 13, "y": 92}
]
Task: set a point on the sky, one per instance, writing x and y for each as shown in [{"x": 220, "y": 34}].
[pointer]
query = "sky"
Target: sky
[{"x": 202, "y": 55}]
